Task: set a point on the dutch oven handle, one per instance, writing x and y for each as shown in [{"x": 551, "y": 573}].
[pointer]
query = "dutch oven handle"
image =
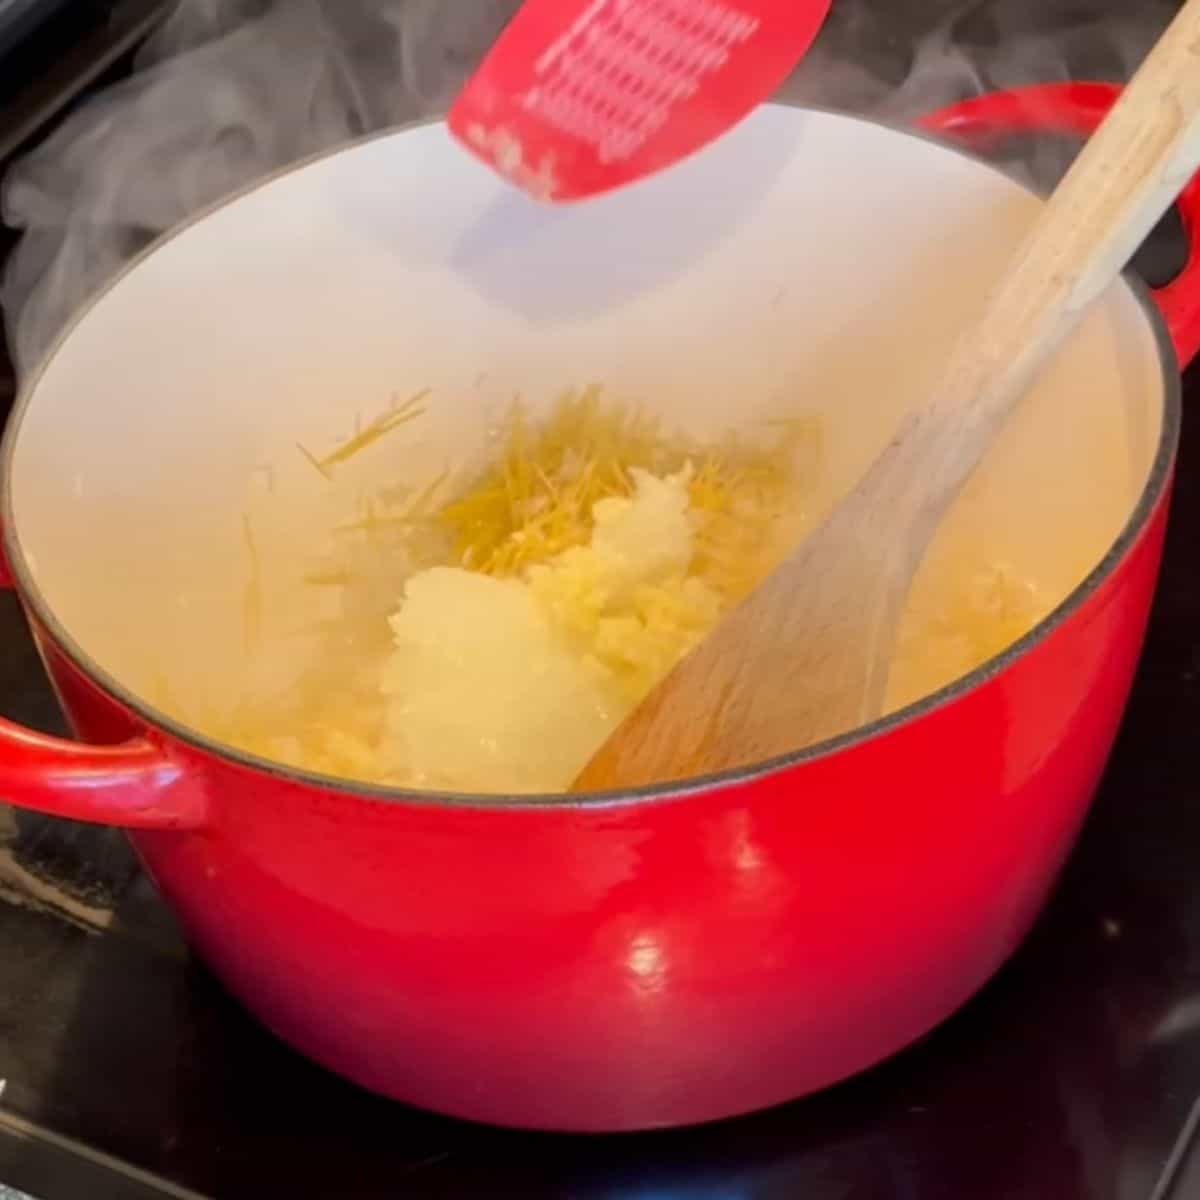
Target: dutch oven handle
[
  {"x": 1075, "y": 110},
  {"x": 134, "y": 784}
]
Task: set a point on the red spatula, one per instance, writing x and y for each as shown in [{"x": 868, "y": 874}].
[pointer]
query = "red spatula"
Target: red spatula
[{"x": 582, "y": 96}]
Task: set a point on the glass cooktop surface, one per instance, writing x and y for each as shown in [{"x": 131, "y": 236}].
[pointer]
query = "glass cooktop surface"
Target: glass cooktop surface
[{"x": 126, "y": 1073}]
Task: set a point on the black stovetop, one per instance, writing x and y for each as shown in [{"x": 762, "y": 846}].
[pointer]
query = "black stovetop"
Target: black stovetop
[{"x": 128, "y": 1074}]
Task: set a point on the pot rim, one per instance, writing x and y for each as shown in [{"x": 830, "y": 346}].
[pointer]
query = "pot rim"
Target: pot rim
[{"x": 1152, "y": 493}]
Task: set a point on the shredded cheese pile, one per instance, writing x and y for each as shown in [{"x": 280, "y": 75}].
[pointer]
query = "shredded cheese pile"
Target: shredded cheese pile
[
  {"x": 533, "y": 610},
  {"x": 540, "y": 497},
  {"x": 491, "y": 643},
  {"x": 510, "y": 684}
]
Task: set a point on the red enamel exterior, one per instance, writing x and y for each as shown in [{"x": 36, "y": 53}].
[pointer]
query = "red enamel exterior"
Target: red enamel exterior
[{"x": 639, "y": 963}]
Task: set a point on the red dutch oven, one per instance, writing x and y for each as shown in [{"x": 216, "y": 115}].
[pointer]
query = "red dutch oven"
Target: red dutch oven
[{"x": 610, "y": 962}]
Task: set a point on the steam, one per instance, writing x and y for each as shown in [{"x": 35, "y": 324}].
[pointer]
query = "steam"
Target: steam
[
  {"x": 228, "y": 91},
  {"x": 862, "y": 63}
]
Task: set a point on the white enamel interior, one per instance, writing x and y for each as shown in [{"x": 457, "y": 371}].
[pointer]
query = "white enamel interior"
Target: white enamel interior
[{"x": 808, "y": 263}]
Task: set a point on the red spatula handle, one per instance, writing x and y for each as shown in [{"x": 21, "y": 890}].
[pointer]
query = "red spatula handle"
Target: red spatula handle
[{"x": 581, "y": 96}]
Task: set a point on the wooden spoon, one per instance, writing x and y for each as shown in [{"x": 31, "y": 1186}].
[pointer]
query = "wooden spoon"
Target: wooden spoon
[{"x": 805, "y": 657}]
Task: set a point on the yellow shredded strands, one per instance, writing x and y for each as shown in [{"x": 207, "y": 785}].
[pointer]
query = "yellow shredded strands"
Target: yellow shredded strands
[
  {"x": 252, "y": 601},
  {"x": 537, "y": 501},
  {"x": 409, "y": 514},
  {"x": 400, "y": 413},
  {"x": 329, "y": 578},
  {"x": 324, "y": 472},
  {"x": 531, "y": 517}
]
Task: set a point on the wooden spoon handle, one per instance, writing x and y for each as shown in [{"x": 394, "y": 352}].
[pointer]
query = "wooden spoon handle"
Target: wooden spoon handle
[
  {"x": 828, "y": 613},
  {"x": 1127, "y": 175}
]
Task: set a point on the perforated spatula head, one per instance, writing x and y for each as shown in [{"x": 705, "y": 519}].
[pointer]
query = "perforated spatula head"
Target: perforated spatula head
[{"x": 578, "y": 97}]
